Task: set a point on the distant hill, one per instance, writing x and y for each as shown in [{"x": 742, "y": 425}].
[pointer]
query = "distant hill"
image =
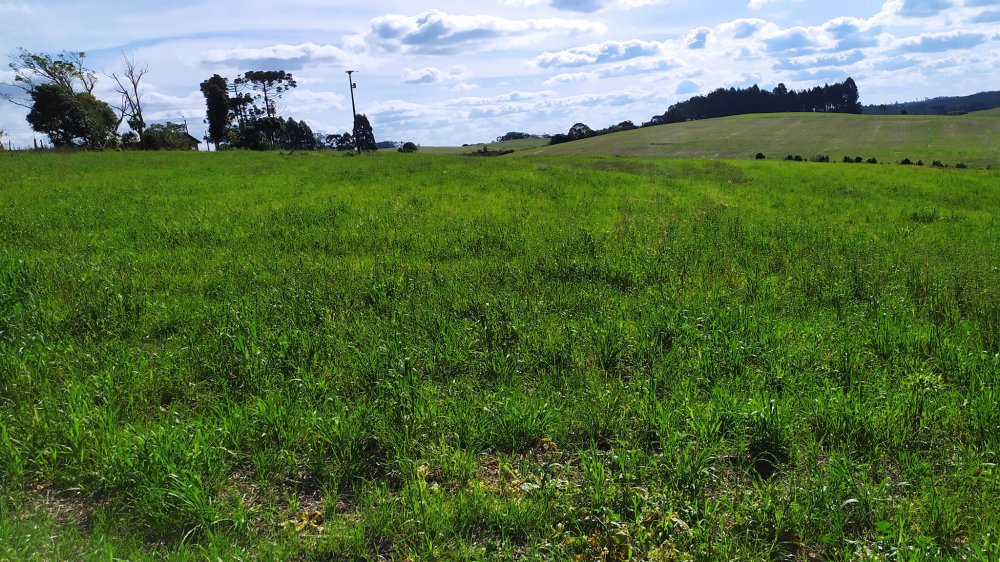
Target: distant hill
[
  {"x": 969, "y": 139},
  {"x": 938, "y": 106}
]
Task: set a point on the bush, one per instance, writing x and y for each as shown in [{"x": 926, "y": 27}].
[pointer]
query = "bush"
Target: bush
[
  {"x": 166, "y": 136},
  {"x": 858, "y": 160},
  {"x": 798, "y": 158},
  {"x": 871, "y": 161},
  {"x": 961, "y": 165},
  {"x": 937, "y": 164},
  {"x": 760, "y": 156},
  {"x": 789, "y": 158},
  {"x": 920, "y": 162},
  {"x": 408, "y": 147},
  {"x": 906, "y": 162},
  {"x": 513, "y": 135},
  {"x": 848, "y": 160},
  {"x": 821, "y": 158}
]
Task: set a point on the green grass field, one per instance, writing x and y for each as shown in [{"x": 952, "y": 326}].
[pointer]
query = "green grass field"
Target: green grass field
[
  {"x": 972, "y": 139},
  {"x": 418, "y": 357}
]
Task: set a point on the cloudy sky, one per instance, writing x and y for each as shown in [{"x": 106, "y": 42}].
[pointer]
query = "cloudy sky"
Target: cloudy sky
[{"x": 453, "y": 72}]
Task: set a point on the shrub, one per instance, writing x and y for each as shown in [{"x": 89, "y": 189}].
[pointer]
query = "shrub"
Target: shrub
[
  {"x": 858, "y": 160},
  {"x": 798, "y": 158},
  {"x": 848, "y": 160},
  {"x": 961, "y": 165},
  {"x": 871, "y": 161},
  {"x": 789, "y": 157},
  {"x": 937, "y": 164},
  {"x": 920, "y": 162},
  {"x": 760, "y": 156},
  {"x": 408, "y": 147},
  {"x": 906, "y": 162},
  {"x": 821, "y": 158}
]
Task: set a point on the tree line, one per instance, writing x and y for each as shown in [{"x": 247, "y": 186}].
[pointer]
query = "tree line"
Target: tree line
[
  {"x": 832, "y": 98},
  {"x": 945, "y": 105},
  {"x": 839, "y": 97},
  {"x": 57, "y": 90},
  {"x": 582, "y": 131}
]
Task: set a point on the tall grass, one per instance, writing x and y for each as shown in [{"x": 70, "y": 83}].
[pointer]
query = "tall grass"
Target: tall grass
[{"x": 275, "y": 356}]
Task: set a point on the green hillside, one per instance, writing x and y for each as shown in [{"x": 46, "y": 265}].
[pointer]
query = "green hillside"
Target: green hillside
[
  {"x": 519, "y": 144},
  {"x": 973, "y": 139}
]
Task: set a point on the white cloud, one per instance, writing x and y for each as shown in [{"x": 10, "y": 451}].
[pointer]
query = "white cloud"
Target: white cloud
[
  {"x": 306, "y": 101},
  {"x": 431, "y": 75},
  {"x": 570, "y": 77},
  {"x": 428, "y": 75},
  {"x": 938, "y": 42},
  {"x": 599, "y": 53},
  {"x": 697, "y": 38},
  {"x": 439, "y": 33},
  {"x": 280, "y": 57}
]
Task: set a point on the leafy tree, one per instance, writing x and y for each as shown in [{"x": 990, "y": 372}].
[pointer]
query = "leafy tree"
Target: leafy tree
[
  {"x": 65, "y": 69},
  {"x": 850, "y": 97},
  {"x": 271, "y": 130},
  {"x": 216, "y": 92},
  {"x": 130, "y": 107},
  {"x": 166, "y": 136},
  {"x": 298, "y": 135},
  {"x": 579, "y": 131},
  {"x": 240, "y": 107},
  {"x": 363, "y": 134},
  {"x": 71, "y": 119},
  {"x": 100, "y": 126},
  {"x": 268, "y": 86},
  {"x": 513, "y": 135},
  {"x": 57, "y": 91},
  {"x": 340, "y": 142},
  {"x": 243, "y": 113},
  {"x": 408, "y": 147}
]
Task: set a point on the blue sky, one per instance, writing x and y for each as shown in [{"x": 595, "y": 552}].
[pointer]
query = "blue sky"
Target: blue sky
[{"x": 453, "y": 72}]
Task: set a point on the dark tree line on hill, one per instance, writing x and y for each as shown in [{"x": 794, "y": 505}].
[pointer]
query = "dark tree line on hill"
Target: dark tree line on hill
[
  {"x": 948, "y": 105},
  {"x": 829, "y": 98},
  {"x": 513, "y": 135},
  {"x": 581, "y": 131}
]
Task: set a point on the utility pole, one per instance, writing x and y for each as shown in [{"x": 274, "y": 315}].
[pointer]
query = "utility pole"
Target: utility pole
[{"x": 354, "y": 111}]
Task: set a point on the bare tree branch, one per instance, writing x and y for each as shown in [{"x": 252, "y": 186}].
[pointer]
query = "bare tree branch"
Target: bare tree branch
[{"x": 130, "y": 108}]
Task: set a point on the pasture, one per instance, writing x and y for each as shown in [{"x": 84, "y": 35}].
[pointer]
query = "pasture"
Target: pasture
[
  {"x": 431, "y": 357},
  {"x": 970, "y": 139}
]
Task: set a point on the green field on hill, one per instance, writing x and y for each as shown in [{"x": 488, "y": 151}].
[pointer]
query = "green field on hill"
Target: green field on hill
[
  {"x": 266, "y": 356},
  {"x": 972, "y": 139}
]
